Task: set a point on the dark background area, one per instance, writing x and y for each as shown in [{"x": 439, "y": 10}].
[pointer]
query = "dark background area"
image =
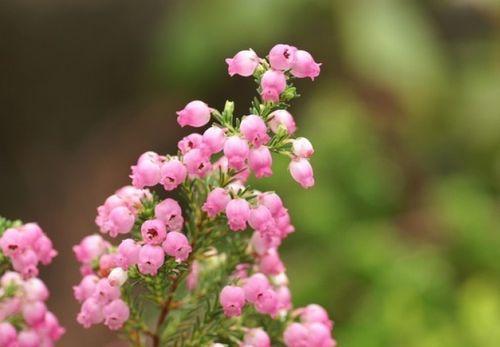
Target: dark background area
[{"x": 400, "y": 237}]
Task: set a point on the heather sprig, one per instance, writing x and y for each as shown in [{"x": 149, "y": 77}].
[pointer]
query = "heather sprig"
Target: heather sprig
[
  {"x": 197, "y": 263},
  {"x": 25, "y": 320}
]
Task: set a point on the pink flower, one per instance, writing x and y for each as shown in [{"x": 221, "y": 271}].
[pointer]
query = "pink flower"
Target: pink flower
[
  {"x": 170, "y": 213},
  {"x": 195, "y": 114},
  {"x": 8, "y": 335},
  {"x": 89, "y": 248},
  {"x": 26, "y": 263},
  {"x": 35, "y": 289},
  {"x": 320, "y": 335},
  {"x": 256, "y": 337},
  {"x": 105, "y": 292},
  {"x": 243, "y": 63},
  {"x": 255, "y": 286},
  {"x": 117, "y": 277},
  {"x": 260, "y": 161},
  {"x": 115, "y": 314},
  {"x": 296, "y": 335},
  {"x": 254, "y": 130},
  {"x": 12, "y": 242},
  {"x": 197, "y": 162},
  {"x": 261, "y": 219},
  {"x": 190, "y": 142},
  {"x": 302, "y": 148},
  {"x": 267, "y": 302},
  {"x": 177, "y": 245},
  {"x": 28, "y": 338},
  {"x": 90, "y": 313},
  {"x": 34, "y": 312},
  {"x": 153, "y": 231},
  {"x": 44, "y": 249},
  {"x": 31, "y": 232},
  {"x": 236, "y": 150},
  {"x": 151, "y": 258},
  {"x": 315, "y": 314},
  {"x": 273, "y": 203},
  {"x": 283, "y": 224},
  {"x": 270, "y": 263},
  {"x": 214, "y": 139},
  {"x": 51, "y": 327},
  {"x": 232, "y": 299},
  {"x": 147, "y": 170},
  {"x": 284, "y": 298},
  {"x": 281, "y": 57},
  {"x": 217, "y": 201},
  {"x": 302, "y": 172},
  {"x": 172, "y": 174},
  {"x": 237, "y": 212},
  {"x": 305, "y": 66},
  {"x": 86, "y": 288},
  {"x": 282, "y": 119},
  {"x": 273, "y": 83},
  {"x": 128, "y": 253},
  {"x": 121, "y": 221}
]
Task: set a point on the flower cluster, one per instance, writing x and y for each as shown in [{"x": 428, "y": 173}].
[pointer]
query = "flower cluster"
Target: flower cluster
[
  {"x": 25, "y": 320},
  {"x": 184, "y": 248}
]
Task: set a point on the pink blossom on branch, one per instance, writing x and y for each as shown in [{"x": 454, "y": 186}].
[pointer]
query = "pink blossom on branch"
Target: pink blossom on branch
[{"x": 186, "y": 251}]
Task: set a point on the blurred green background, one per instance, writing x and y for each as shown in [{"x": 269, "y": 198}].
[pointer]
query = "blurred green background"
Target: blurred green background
[{"x": 399, "y": 239}]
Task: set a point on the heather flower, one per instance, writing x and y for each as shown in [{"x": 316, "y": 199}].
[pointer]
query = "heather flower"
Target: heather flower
[
  {"x": 284, "y": 298},
  {"x": 86, "y": 288},
  {"x": 254, "y": 130},
  {"x": 243, "y": 63},
  {"x": 217, "y": 201},
  {"x": 273, "y": 83},
  {"x": 267, "y": 302},
  {"x": 115, "y": 314},
  {"x": 153, "y": 231},
  {"x": 151, "y": 258},
  {"x": 255, "y": 286},
  {"x": 28, "y": 338},
  {"x": 34, "y": 312},
  {"x": 302, "y": 148},
  {"x": 146, "y": 173},
  {"x": 305, "y": 66},
  {"x": 261, "y": 219},
  {"x": 90, "y": 313},
  {"x": 256, "y": 337},
  {"x": 172, "y": 174},
  {"x": 177, "y": 245},
  {"x": 320, "y": 335},
  {"x": 270, "y": 263},
  {"x": 273, "y": 203},
  {"x": 282, "y": 57},
  {"x": 236, "y": 151},
  {"x": 282, "y": 119},
  {"x": 315, "y": 314},
  {"x": 170, "y": 213},
  {"x": 214, "y": 139},
  {"x": 197, "y": 162},
  {"x": 12, "y": 242},
  {"x": 195, "y": 114},
  {"x": 105, "y": 292},
  {"x": 302, "y": 172},
  {"x": 121, "y": 221},
  {"x": 8, "y": 335},
  {"x": 128, "y": 253},
  {"x": 296, "y": 335},
  {"x": 260, "y": 161},
  {"x": 117, "y": 277},
  {"x": 190, "y": 142},
  {"x": 237, "y": 212},
  {"x": 232, "y": 299}
]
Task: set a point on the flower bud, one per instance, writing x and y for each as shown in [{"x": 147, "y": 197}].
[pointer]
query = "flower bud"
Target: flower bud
[
  {"x": 243, "y": 63},
  {"x": 195, "y": 114}
]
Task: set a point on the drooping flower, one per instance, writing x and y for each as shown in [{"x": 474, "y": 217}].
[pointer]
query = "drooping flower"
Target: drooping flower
[
  {"x": 302, "y": 147},
  {"x": 254, "y": 130},
  {"x": 260, "y": 161},
  {"x": 237, "y": 212},
  {"x": 232, "y": 299},
  {"x": 217, "y": 201},
  {"x": 169, "y": 212},
  {"x": 195, "y": 114},
  {"x": 282, "y": 57},
  {"x": 282, "y": 119},
  {"x": 153, "y": 231},
  {"x": 150, "y": 259},
  {"x": 305, "y": 66},
  {"x": 302, "y": 172},
  {"x": 172, "y": 174},
  {"x": 243, "y": 63},
  {"x": 273, "y": 83},
  {"x": 236, "y": 151},
  {"x": 115, "y": 314},
  {"x": 177, "y": 245}
]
